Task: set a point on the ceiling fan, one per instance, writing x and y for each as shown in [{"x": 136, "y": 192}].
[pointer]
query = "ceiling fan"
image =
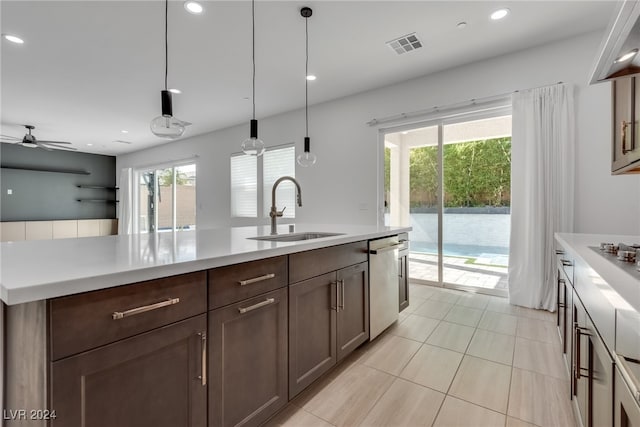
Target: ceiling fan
[{"x": 30, "y": 141}]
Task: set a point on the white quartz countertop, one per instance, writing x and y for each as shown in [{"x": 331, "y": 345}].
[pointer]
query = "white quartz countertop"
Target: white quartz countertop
[
  {"x": 624, "y": 281},
  {"x": 36, "y": 270}
]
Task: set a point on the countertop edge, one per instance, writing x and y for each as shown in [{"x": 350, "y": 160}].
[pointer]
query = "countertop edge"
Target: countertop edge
[{"x": 54, "y": 289}]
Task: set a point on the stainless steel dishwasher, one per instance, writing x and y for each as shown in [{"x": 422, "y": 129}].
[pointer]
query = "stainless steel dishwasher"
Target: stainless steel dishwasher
[{"x": 383, "y": 284}]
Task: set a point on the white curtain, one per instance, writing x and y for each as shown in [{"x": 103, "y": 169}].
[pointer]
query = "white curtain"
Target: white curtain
[
  {"x": 542, "y": 180},
  {"x": 125, "y": 210}
]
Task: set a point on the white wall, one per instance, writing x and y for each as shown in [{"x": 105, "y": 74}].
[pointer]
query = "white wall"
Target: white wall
[{"x": 343, "y": 187}]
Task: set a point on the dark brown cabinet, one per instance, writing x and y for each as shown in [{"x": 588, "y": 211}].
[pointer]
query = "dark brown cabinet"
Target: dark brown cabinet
[
  {"x": 248, "y": 360},
  {"x": 353, "y": 308},
  {"x": 328, "y": 319},
  {"x": 625, "y": 155},
  {"x": 154, "y": 379}
]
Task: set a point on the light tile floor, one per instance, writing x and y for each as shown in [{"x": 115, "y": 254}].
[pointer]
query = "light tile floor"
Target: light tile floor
[{"x": 454, "y": 359}]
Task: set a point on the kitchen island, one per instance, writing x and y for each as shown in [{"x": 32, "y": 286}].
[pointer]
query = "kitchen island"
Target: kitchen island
[{"x": 195, "y": 328}]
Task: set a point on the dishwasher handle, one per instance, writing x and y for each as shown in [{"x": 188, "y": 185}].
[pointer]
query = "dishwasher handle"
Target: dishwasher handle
[{"x": 386, "y": 249}]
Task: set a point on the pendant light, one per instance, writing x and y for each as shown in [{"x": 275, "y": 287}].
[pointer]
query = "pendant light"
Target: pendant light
[
  {"x": 253, "y": 146},
  {"x": 167, "y": 126},
  {"x": 307, "y": 158}
]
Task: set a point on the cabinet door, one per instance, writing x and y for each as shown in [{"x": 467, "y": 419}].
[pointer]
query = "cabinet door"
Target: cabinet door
[
  {"x": 403, "y": 282},
  {"x": 312, "y": 330},
  {"x": 626, "y": 408},
  {"x": 624, "y": 125},
  {"x": 248, "y": 360},
  {"x": 353, "y": 308},
  {"x": 154, "y": 379},
  {"x": 600, "y": 381},
  {"x": 561, "y": 313},
  {"x": 580, "y": 360}
]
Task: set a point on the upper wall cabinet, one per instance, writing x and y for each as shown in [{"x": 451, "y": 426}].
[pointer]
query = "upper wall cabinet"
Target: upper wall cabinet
[{"x": 618, "y": 60}]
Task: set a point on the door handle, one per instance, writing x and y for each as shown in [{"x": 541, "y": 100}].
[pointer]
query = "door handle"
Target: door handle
[
  {"x": 335, "y": 307},
  {"x": 341, "y": 284}
]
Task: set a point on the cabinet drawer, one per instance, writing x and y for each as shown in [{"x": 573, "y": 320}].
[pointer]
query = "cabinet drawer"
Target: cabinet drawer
[
  {"x": 241, "y": 281},
  {"x": 305, "y": 265},
  {"x": 85, "y": 321}
]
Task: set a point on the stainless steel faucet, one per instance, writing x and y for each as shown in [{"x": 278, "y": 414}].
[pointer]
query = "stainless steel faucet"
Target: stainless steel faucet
[{"x": 275, "y": 213}]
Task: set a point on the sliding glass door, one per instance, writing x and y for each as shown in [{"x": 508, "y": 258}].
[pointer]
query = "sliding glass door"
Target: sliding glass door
[
  {"x": 166, "y": 199},
  {"x": 450, "y": 180}
]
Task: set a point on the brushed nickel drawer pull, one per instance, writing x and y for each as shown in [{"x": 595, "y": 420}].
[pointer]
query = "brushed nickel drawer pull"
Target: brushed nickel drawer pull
[
  {"x": 256, "y": 279},
  {"x": 566, "y": 263},
  {"x": 122, "y": 314},
  {"x": 203, "y": 371},
  {"x": 268, "y": 301},
  {"x": 341, "y": 283}
]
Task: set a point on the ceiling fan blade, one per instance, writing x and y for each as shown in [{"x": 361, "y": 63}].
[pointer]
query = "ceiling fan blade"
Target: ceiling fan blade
[
  {"x": 53, "y": 142},
  {"x": 48, "y": 146},
  {"x": 9, "y": 137}
]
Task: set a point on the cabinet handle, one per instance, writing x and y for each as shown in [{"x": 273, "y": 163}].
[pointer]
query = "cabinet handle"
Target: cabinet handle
[
  {"x": 561, "y": 305},
  {"x": 122, "y": 314},
  {"x": 341, "y": 284},
  {"x": 566, "y": 262},
  {"x": 268, "y": 301},
  {"x": 559, "y": 252},
  {"x": 335, "y": 307},
  {"x": 203, "y": 368},
  {"x": 579, "y": 331},
  {"x": 624, "y": 137},
  {"x": 386, "y": 249},
  {"x": 256, "y": 279}
]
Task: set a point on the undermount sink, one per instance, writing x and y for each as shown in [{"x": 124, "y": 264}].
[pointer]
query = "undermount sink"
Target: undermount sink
[{"x": 294, "y": 237}]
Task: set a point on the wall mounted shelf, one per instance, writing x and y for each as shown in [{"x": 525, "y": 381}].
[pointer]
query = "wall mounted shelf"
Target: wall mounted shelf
[
  {"x": 53, "y": 170},
  {"x": 98, "y": 200},
  {"x": 98, "y": 187}
]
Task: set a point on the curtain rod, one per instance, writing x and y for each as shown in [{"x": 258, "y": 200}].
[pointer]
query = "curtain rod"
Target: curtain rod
[{"x": 453, "y": 106}]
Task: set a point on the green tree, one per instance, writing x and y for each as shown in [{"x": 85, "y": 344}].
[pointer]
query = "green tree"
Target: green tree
[{"x": 166, "y": 178}]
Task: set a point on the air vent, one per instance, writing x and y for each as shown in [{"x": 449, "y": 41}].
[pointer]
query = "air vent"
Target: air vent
[{"x": 405, "y": 44}]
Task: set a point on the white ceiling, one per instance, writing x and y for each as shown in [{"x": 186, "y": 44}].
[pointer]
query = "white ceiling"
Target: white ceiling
[{"x": 89, "y": 69}]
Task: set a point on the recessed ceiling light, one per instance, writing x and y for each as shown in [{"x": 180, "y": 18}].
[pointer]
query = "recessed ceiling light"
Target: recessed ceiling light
[
  {"x": 405, "y": 132},
  {"x": 193, "y": 7},
  {"x": 499, "y": 14},
  {"x": 627, "y": 56},
  {"x": 89, "y": 145},
  {"x": 311, "y": 77},
  {"x": 176, "y": 91},
  {"x": 124, "y": 131},
  {"x": 13, "y": 39},
  {"x": 461, "y": 24}
]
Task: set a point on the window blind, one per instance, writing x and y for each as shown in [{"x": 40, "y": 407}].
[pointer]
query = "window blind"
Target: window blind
[
  {"x": 278, "y": 163},
  {"x": 244, "y": 186}
]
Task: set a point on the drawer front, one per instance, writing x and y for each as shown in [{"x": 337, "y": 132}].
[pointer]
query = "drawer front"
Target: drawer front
[
  {"x": 241, "y": 281},
  {"x": 305, "y": 265},
  {"x": 85, "y": 321}
]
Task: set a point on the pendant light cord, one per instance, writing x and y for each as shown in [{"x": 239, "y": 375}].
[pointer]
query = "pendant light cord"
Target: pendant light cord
[
  {"x": 306, "y": 74},
  {"x": 253, "y": 53},
  {"x": 166, "y": 42}
]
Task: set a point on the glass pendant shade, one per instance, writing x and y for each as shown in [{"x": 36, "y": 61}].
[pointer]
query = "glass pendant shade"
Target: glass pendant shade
[
  {"x": 253, "y": 146},
  {"x": 307, "y": 158},
  {"x": 167, "y": 126}
]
